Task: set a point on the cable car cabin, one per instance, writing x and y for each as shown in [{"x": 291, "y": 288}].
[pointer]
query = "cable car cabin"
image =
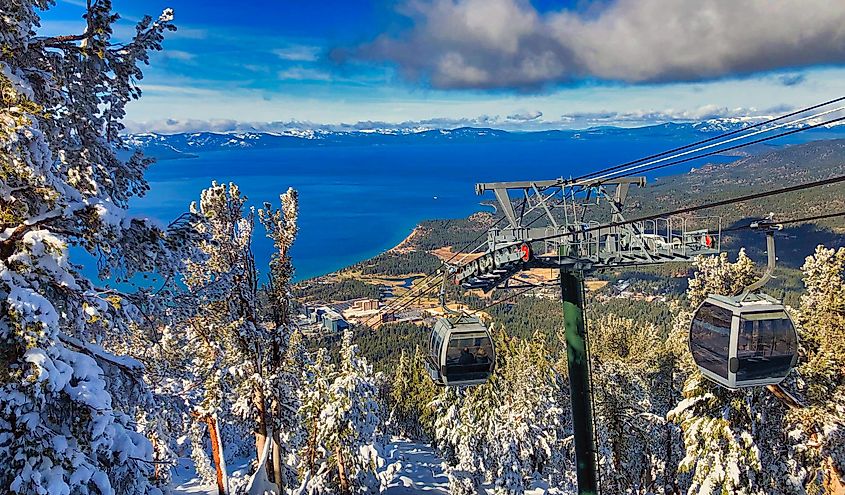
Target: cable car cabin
[
  {"x": 743, "y": 342},
  {"x": 460, "y": 352}
]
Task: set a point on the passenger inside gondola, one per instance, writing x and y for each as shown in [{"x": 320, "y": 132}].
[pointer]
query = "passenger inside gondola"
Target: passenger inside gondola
[
  {"x": 765, "y": 348},
  {"x": 481, "y": 356},
  {"x": 468, "y": 357}
]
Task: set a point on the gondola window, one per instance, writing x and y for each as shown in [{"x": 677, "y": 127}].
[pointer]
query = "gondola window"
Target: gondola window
[
  {"x": 765, "y": 348},
  {"x": 711, "y": 338}
]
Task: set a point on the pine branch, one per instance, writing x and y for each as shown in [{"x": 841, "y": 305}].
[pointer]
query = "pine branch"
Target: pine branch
[{"x": 61, "y": 41}]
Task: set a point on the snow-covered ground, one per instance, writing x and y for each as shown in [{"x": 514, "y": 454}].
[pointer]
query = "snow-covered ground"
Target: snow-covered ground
[
  {"x": 185, "y": 481},
  {"x": 415, "y": 466},
  {"x": 418, "y": 469}
]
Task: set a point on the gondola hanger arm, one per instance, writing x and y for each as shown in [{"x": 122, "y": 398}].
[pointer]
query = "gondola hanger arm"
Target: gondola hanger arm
[{"x": 769, "y": 227}]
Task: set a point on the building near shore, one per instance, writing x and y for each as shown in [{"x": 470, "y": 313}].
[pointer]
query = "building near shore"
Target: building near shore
[
  {"x": 366, "y": 304},
  {"x": 322, "y": 320},
  {"x": 333, "y": 322}
]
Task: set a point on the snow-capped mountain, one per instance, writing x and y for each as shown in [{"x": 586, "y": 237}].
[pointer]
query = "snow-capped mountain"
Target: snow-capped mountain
[{"x": 183, "y": 144}]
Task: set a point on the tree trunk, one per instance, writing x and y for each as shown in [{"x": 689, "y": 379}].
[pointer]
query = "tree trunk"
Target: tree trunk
[
  {"x": 261, "y": 426},
  {"x": 217, "y": 455},
  {"x": 277, "y": 454},
  {"x": 341, "y": 471},
  {"x": 312, "y": 446},
  {"x": 156, "y": 467},
  {"x": 833, "y": 479}
]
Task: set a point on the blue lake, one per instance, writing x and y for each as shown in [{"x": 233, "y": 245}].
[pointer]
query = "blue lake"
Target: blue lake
[{"x": 357, "y": 201}]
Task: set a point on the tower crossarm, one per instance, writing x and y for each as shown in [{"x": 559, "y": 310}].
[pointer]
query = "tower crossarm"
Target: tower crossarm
[
  {"x": 593, "y": 246},
  {"x": 569, "y": 241},
  {"x": 559, "y": 202}
]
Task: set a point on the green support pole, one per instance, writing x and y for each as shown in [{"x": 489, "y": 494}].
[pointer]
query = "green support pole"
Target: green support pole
[{"x": 577, "y": 359}]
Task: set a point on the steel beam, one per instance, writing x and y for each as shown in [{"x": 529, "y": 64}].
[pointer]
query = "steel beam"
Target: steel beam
[{"x": 580, "y": 390}]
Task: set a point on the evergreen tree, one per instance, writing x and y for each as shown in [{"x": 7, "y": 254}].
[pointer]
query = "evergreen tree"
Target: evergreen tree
[
  {"x": 411, "y": 390},
  {"x": 283, "y": 375},
  {"x": 313, "y": 397},
  {"x": 717, "y": 275},
  {"x": 347, "y": 429},
  {"x": 818, "y": 429},
  {"x": 509, "y": 432},
  {"x": 68, "y": 404},
  {"x": 728, "y": 434},
  {"x": 529, "y": 426},
  {"x": 635, "y": 440},
  {"x": 401, "y": 409},
  {"x": 223, "y": 333},
  {"x": 423, "y": 393},
  {"x": 445, "y": 409}
]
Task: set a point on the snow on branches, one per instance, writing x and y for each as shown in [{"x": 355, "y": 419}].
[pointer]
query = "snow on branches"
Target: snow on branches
[{"x": 68, "y": 404}]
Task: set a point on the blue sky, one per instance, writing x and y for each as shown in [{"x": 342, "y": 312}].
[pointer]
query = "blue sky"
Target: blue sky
[{"x": 502, "y": 63}]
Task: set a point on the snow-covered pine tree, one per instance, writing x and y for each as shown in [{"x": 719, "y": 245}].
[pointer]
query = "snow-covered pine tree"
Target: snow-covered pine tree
[
  {"x": 729, "y": 436},
  {"x": 68, "y": 405},
  {"x": 817, "y": 430},
  {"x": 635, "y": 440},
  {"x": 348, "y": 426},
  {"x": 445, "y": 408},
  {"x": 399, "y": 402},
  {"x": 510, "y": 432},
  {"x": 283, "y": 375},
  {"x": 717, "y": 275},
  {"x": 410, "y": 392},
  {"x": 313, "y": 397},
  {"x": 229, "y": 341},
  {"x": 423, "y": 392},
  {"x": 450, "y": 434},
  {"x": 470, "y": 434},
  {"x": 526, "y": 436}
]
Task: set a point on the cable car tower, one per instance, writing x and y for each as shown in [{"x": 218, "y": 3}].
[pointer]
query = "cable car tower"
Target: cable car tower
[{"x": 580, "y": 228}]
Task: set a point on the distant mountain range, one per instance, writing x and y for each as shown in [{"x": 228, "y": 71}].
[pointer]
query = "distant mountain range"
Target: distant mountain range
[{"x": 183, "y": 145}]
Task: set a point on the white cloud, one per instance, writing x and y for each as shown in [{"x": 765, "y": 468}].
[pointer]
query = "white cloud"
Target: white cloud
[
  {"x": 298, "y": 53},
  {"x": 168, "y": 95},
  {"x": 507, "y": 43},
  {"x": 176, "y": 126},
  {"x": 649, "y": 117},
  {"x": 517, "y": 121},
  {"x": 177, "y": 55},
  {"x": 304, "y": 74}
]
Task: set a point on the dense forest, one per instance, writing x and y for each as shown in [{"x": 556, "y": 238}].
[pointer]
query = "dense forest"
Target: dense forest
[
  {"x": 335, "y": 290},
  {"x": 394, "y": 264},
  {"x": 661, "y": 427},
  {"x": 114, "y": 388}
]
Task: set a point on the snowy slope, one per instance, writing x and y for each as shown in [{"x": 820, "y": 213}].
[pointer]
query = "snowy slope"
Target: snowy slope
[
  {"x": 418, "y": 469},
  {"x": 186, "y": 482},
  {"x": 415, "y": 467}
]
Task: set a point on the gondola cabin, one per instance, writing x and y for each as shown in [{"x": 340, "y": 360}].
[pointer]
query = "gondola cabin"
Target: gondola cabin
[
  {"x": 461, "y": 352},
  {"x": 743, "y": 341}
]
